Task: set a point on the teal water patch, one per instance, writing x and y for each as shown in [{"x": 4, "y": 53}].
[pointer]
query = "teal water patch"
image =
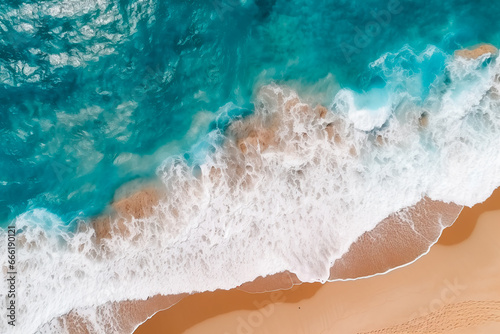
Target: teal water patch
[{"x": 94, "y": 95}]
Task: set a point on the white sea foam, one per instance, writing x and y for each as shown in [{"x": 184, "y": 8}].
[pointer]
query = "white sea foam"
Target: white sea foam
[
  {"x": 295, "y": 203},
  {"x": 371, "y": 114}
]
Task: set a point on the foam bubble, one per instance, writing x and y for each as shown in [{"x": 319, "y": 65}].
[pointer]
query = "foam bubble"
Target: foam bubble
[{"x": 291, "y": 187}]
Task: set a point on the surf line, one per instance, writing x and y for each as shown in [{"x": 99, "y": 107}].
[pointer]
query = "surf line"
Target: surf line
[{"x": 11, "y": 275}]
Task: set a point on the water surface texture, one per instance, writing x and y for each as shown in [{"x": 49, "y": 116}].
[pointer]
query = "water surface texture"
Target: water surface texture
[{"x": 90, "y": 90}]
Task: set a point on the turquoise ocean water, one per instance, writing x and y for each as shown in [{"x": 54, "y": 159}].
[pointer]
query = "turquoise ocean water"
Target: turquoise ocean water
[{"x": 91, "y": 94}]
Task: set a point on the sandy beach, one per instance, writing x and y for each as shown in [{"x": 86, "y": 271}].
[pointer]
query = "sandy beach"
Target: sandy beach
[{"x": 452, "y": 289}]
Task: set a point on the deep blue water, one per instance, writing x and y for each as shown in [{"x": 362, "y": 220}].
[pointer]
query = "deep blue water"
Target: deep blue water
[{"x": 92, "y": 97}]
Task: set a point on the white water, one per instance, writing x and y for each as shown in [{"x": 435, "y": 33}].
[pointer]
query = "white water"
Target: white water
[{"x": 297, "y": 206}]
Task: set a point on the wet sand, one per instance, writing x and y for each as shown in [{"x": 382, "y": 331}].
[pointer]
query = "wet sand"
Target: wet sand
[{"x": 452, "y": 289}]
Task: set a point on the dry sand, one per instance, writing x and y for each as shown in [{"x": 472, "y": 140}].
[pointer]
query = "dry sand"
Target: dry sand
[{"x": 453, "y": 289}]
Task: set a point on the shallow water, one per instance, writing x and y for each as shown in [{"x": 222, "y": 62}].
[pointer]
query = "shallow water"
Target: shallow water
[{"x": 97, "y": 94}]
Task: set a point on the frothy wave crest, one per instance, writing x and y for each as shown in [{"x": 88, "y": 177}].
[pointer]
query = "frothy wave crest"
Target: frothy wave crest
[{"x": 289, "y": 188}]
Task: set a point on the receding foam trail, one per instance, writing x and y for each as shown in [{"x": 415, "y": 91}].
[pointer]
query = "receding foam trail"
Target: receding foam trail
[{"x": 290, "y": 188}]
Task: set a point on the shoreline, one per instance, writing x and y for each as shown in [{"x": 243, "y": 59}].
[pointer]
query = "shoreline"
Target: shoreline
[
  {"x": 142, "y": 310},
  {"x": 303, "y": 289},
  {"x": 253, "y": 140},
  {"x": 286, "y": 281},
  {"x": 138, "y": 216}
]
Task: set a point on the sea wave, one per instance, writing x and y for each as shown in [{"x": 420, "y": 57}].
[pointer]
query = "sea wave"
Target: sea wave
[{"x": 289, "y": 188}]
